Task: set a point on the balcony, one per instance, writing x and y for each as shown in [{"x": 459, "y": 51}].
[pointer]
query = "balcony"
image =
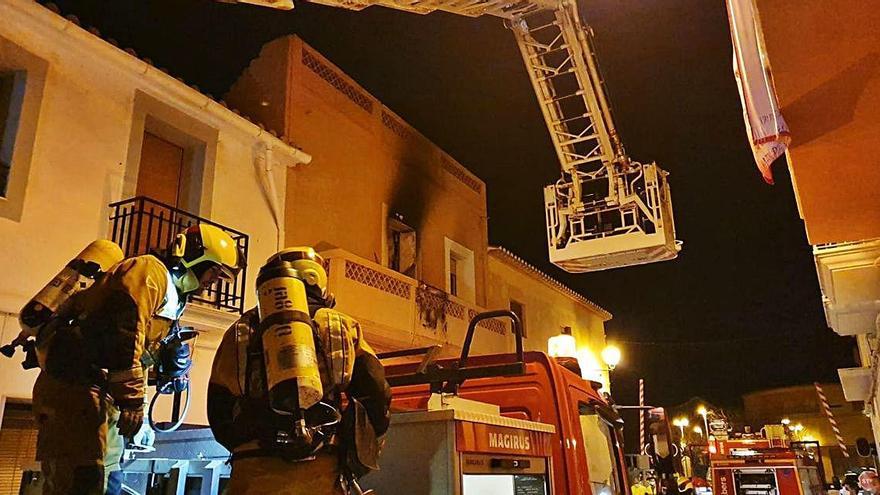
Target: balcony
[
  {"x": 141, "y": 225},
  {"x": 397, "y": 311},
  {"x": 850, "y": 280}
]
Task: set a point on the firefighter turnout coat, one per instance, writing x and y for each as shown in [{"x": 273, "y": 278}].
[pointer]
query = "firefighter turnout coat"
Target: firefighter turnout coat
[{"x": 93, "y": 358}]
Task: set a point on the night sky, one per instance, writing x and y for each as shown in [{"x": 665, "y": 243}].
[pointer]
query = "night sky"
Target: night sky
[{"x": 739, "y": 310}]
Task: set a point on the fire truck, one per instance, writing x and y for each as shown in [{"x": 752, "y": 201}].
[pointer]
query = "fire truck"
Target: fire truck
[
  {"x": 515, "y": 424},
  {"x": 768, "y": 464}
]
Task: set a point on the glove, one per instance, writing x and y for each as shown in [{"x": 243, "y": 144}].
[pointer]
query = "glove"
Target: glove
[{"x": 130, "y": 421}]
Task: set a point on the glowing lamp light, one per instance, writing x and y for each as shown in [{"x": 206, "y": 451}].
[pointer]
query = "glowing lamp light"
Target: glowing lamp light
[
  {"x": 562, "y": 345},
  {"x": 611, "y": 356},
  {"x": 785, "y": 421},
  {"x": 698, "y": 430},
  {"x": 590, "y": 367},
  {"x": 702, "y": 411}
]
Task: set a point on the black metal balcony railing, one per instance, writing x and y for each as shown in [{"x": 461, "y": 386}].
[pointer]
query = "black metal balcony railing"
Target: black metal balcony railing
[{"x": 141, "y": 225}]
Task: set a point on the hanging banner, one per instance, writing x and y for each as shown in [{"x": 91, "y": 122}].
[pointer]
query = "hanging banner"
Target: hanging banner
[{"x": 768, "y": 134}]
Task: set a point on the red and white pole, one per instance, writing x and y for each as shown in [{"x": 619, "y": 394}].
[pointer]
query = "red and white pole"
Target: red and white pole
[
  {"x": 641, "y": 416},
  {"x": 830, "y": 415}
]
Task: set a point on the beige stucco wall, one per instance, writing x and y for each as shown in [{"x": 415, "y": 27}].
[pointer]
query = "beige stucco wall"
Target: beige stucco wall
[
  {"x": 547, "y": 309},
  {"x": 367, "y": 163},
  {"x": 80, "y": 164},
  {"x": 800, "y": 404},
  {"x": 826, "y": 66}
]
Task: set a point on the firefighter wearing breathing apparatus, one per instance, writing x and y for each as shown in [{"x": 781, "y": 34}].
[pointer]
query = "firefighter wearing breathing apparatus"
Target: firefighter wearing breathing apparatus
[
  {"x": 277, "y": 384},
  {"x": 93, "y": 348}
]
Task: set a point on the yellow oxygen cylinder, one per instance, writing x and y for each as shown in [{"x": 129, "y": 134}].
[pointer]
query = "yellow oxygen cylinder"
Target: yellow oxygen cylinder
[
  {"x": 79, "y": 274},
  {"x": 292, "y": 375}
]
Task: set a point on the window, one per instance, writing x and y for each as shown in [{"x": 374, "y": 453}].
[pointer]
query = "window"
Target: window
[
  {"x": 401, "y": 244},
  {"x": 22, "y": 78},
  {"x": 453, "y": 274},
  {"x": 460, "y": 271},
  {"x": 170, "y": 157},
  {"x": 161, "y": 170},
  {"x": 9, "y": 112},
  {"x": 600, "y": 442},
  {"x": 519, "y": 310}
]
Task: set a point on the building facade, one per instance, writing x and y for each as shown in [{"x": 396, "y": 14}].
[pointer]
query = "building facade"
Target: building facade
[
  {"x": 403, "y": 225},
  {"x": 801, "y": 406},
  {"x": 86, "y": 125},
  {"x": 825, "y": 67}
]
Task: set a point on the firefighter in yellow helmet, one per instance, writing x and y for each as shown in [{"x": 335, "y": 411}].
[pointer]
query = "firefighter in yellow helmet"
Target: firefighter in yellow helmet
[
  {"x": 275, "y": 449},
  {"x": 93, "y": 354}
]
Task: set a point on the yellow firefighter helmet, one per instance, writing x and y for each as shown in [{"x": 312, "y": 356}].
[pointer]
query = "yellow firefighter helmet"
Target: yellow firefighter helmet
[
  {"x": 308, "y": 264},
  {"x": 205, "y": 243}
]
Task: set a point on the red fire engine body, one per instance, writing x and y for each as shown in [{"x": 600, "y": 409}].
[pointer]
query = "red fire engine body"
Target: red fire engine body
[
  {"x": 507, "y": 424},
  {"x": 762, "y": 467},
  {"x": 549, "y": 394}
]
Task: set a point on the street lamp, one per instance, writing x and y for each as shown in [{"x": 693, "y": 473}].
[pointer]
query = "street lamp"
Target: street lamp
[
  {"x": 796, "y": 430},
  {"x": 681, "y": 423},
  {"x": 698, "y": 430},
  {"x": 785, "y": 421},
  {"x": 702, "y": 411},
  {"x": 611, "y": 356}
]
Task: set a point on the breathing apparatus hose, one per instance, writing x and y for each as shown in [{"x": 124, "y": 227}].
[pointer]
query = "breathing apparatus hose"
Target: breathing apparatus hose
[{"x": 179, "y": 421}]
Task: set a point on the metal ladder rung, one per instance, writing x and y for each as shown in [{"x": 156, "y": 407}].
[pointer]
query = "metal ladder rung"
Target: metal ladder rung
[
  {"x": 551, "y": 68},
  {"x": 547, "y": 51},
  {"x": 580, "y": 156},
  {"x": 568, "y": 133},
  {"x": 579, "y": 140},
  {"x": 542, "y": 27},
  {"x": 571, "y": 119},
  {"x": 553, "y": 76},
  {"x": 564, "y": 97}
]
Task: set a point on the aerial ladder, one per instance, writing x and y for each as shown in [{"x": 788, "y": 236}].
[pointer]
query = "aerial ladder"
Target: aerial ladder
[{"x": 606, "y": 210}]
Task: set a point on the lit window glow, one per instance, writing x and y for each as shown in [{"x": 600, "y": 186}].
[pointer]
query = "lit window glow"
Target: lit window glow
[{"x": 562, "y": 345}]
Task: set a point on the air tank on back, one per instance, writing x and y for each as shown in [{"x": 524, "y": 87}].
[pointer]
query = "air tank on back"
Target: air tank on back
[
  {"x": 79, "y": 274},
  {"x": 292, "y": 375}
]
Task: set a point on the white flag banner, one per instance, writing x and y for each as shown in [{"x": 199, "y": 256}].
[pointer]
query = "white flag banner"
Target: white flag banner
[{"x": 768, "y": 133}]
